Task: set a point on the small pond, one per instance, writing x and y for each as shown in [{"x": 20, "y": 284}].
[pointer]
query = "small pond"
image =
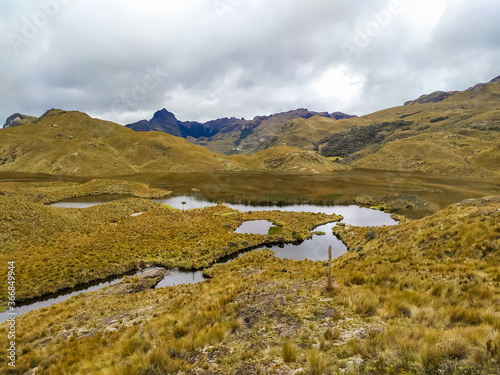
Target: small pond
[{"x": 254, "y": 227}]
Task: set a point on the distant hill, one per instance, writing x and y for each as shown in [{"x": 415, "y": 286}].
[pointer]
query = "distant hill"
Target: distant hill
[
  {"x": 73, "y": 143},
  {"x": 455, "y": 133},
  {"x": 61, "y": 142}
]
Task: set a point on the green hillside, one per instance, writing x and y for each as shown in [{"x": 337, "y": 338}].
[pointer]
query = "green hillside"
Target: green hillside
[
  {"x": 72, "y": 143},
  {"x": 459, "y": 135}
]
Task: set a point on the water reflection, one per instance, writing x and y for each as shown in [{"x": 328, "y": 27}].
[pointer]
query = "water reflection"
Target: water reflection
[
  {"x": 254, "y": 227},
  {"x": 315, "y": 249},
  {"x": 172, "y": 277},
  {"x": 353, "y": 215}
]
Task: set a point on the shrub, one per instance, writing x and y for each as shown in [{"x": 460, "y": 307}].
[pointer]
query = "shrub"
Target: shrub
[
  {"x": 332, "y": 334},
  {"x": 456, "y": 348},
  {"x": 364, "y": 303},
  {"x": 437, "y": 119}
]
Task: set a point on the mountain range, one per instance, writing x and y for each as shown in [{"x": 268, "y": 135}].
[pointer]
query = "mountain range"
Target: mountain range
[
  {"x": 449, "y": 133},
  {"x": 203, "y": 133}
]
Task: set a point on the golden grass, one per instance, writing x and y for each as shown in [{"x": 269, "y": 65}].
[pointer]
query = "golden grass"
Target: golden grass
[
  {"x": 56, "y": 248},
  {"x": 417, "y": 298}
]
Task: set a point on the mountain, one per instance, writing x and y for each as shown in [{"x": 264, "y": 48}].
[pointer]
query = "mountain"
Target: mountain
[
  {"x": 455, "y": 133},
  {"x": 434, "y": 97},
  {"x": 17, "y": 119},
  {"x": 73, "y": 143},
  {"x": 228, "y": 135}
]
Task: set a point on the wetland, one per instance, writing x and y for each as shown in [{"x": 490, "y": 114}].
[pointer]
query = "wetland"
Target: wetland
[{"x": 417, "y": 290}]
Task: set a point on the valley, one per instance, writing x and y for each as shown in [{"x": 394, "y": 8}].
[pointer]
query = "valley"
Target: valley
[{"x": 95, "y": 214}]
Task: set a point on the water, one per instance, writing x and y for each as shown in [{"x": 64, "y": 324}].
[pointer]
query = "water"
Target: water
[
  {"x": 50, "y": 299},
  {"x": 353, "y": 215},
  {"x": 172, "y": 277},
  {"x": 84, "y": 202},
  {"x": 254, "y": 227},
  {"x": 176, "y": 277},
  {"x": 315, "y": 248}
]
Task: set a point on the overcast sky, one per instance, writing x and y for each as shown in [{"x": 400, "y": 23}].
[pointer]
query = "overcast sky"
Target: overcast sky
[{"x": 204, "y": 59}]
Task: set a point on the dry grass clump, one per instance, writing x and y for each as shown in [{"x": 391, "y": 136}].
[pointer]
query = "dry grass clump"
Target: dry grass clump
[{"x": 288, "y": 351}]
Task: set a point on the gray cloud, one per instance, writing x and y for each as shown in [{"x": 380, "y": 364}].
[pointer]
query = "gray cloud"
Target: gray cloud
[{"x": 205, "y": 59}]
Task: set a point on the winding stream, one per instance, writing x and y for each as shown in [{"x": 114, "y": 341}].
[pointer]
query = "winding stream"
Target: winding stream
[{"x": 315, "y": 248}]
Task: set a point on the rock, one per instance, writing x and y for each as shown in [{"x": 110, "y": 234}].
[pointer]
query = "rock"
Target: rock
[
  {"x": 496, "y": 79},
  {"x": 33, "y": 371},
  {"x": 340, "y": 115},
  {"x": 147, "y": 279},
  {"x": 479, "y": 202},
  {"x": 434, "y": 97},
  {"x": 18, "y": 119}
]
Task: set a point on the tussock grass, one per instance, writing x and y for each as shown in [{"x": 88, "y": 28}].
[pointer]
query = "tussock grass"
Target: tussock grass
[
  {"x": 428, "y": 305},
  {"x": 288, "y": 351}
]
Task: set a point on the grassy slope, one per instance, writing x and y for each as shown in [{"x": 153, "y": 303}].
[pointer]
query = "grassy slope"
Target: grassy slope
[
  {"x": 466, "y": 143},
  {"x": 83, "y": 146},
  {"x": 285, "y": 159},
  {"x": 422, "y": 297}
]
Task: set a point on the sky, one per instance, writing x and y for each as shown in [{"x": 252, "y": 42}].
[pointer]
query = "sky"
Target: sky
[{"x": 205, "y": 59}]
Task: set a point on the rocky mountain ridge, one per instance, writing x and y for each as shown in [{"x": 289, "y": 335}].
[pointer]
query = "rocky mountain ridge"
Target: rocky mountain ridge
[{"x": 165, "y": 121}]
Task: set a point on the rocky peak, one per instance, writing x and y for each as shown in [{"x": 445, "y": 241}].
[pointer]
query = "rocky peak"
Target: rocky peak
[
  {"x": 162, "y": 121},
  {"x": 434, "y": 97},
  {"x": 340, "y": 115},
  {"x": 18, "y": 119}
]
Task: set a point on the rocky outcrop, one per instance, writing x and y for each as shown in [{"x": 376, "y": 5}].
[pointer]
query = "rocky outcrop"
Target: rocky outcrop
[
  {"x": 18, "y": 119},
  {"x": 340, "y": 115},
  {"x": 434, "y": 97},
  {"x": 496, "y": 79}
]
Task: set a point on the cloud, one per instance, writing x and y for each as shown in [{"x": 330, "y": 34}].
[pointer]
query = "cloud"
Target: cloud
[{"x": 240, "y": 58}]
